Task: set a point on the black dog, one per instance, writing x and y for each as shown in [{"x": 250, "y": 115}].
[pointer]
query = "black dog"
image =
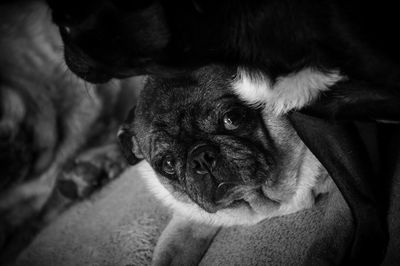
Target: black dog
[{"x": 304, "y": 46}]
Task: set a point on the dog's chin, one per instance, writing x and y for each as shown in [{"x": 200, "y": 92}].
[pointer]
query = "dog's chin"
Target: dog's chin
[
  {"x": 251, "y": 209},
  {"x": 92, "y": 70},
  {"x": 248, "y": 197},
  {"x": 94, "y": 77},
  {"x": 242, "y": 205},
  {"x": 97, "y": 73},
  {"x": 230, "y": 194},
  {"x": 239, "y": 212},
  {"x": 85, "y": 70}
]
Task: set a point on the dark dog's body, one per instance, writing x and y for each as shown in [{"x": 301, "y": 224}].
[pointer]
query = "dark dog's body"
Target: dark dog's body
[
  {"x": 217, "y": 160},
  {"x": 304, "y": 46}
]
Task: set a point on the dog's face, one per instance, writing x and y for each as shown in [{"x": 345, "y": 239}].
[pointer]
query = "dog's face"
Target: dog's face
[{"x": 210, "y": 150}]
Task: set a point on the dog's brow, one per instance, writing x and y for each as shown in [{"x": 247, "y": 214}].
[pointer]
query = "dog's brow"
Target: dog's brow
[
  {"x": 227, "y": 97},
  {"x": 159, "y": 131},
  {"x": 160, "y": 125}
]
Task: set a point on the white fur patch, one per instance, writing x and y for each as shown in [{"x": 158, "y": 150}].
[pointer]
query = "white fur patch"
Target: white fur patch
[{"x": 290, "y": 92}]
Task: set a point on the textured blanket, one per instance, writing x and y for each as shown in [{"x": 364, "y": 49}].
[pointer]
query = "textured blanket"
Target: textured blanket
[{"x": 121, "y": 225}]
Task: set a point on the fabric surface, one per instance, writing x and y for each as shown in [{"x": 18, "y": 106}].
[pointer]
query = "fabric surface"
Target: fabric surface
[
  {"x": 121, "y": 224},
  {"x": 317, "y": 236}
]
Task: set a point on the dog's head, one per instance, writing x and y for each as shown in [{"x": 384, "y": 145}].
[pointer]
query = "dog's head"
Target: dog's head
[
  {"x": 117, "y": 38},
  {"x": 103, "y": 38},
  {"x": 210, "y": 150}
]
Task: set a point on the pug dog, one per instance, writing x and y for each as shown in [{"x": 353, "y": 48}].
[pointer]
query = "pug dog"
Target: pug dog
[{"x": 215, "y": 160}]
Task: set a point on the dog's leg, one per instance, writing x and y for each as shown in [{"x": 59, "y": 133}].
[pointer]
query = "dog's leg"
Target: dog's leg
[{"x": 183, "y": 242}]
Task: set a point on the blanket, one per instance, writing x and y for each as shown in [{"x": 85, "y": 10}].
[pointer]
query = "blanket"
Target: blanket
[{"x": 121, "y": 225}]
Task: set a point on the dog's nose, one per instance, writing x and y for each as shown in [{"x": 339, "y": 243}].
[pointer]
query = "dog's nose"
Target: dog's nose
[{"x": 203, "y": 158}]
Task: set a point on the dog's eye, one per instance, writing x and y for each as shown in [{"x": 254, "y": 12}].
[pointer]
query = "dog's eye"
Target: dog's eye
[
  {"x": 233, "y": 119},
  {"x": 168, "y": 165}
]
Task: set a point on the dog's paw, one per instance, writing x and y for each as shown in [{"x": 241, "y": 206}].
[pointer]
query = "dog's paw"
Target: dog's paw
[{"x": 90, "y": 172}]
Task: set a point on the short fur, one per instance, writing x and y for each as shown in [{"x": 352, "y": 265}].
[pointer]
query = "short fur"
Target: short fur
[
  {"x": 288, "y": 93},
  {"x": 286, "y": 180},
  {"x": 288, "y": 174},
  {"x": 300, "y": 47}
]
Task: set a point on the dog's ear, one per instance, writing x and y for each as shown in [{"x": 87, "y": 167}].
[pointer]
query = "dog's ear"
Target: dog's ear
[{"x": 128, "y": 141}]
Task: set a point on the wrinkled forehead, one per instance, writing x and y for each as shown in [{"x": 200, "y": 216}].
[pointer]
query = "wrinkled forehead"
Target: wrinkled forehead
[{"x": 166, "y": 97}]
